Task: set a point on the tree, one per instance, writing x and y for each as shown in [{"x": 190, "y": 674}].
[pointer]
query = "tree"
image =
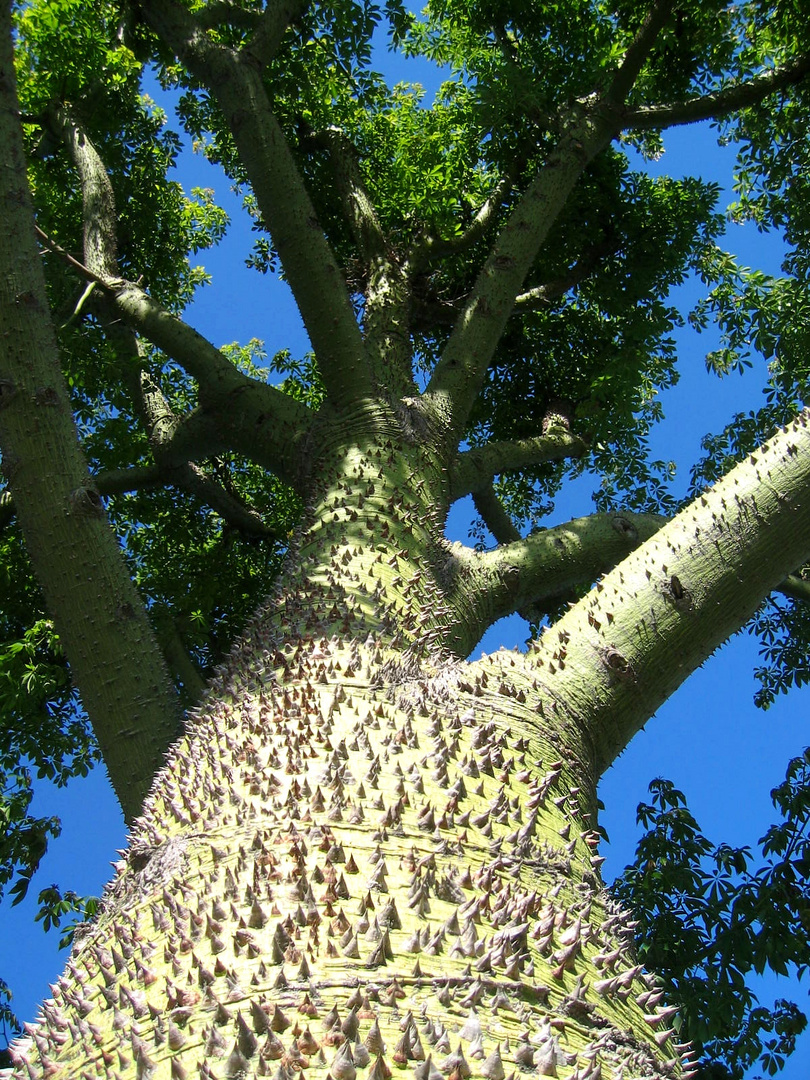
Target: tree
[{"x": 365, "y": 851}]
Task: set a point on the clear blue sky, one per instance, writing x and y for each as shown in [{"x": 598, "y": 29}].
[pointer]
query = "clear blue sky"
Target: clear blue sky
[{"x": 709, "y": 739}]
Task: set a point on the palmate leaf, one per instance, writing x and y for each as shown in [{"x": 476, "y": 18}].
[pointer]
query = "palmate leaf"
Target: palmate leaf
[{"x": 708, "y": 915}]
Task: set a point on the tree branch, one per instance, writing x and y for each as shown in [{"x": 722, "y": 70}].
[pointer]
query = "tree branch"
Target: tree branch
[
  {"x": 119, "y": 481},
  {"x": 639, "y": 50},
  {"x": 796, "y": 587},
  {"x": 428, "y": 249},
  {"x": 215, "y": 374},
  {"x": 359, "y": 209},
  {"x": 308, "y": 260},
  {"x": 494, "y": 516},
  {"x": 715, "y": 105},
  {"x": 474, "y": 469},
  {"x": 547, "y": 564},
  {"x": 187, "y": 477},
  {"x": 223, "y": 13},
  {"x": 611, "y": 661},
  {"x": 100, "y": 618},
  {"x": 547, "y": 293},
  {"x": 461, "y": 370},
  {"x": 266, "y": 39},
  {"x": 186, "y": 676},
  {"x": 260, "y": 421}
]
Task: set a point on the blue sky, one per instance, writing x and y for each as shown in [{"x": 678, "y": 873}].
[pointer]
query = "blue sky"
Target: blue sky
[{"x": 709, "y": 739}]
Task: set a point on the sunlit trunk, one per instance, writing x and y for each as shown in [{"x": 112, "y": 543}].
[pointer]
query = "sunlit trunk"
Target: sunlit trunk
[{"x": 365, "y": 855}]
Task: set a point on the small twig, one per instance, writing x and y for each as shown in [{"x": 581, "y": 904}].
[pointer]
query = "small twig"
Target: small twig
[{"x": 82, "y": 269}]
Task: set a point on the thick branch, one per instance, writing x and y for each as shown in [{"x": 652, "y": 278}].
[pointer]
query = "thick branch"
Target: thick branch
[
  {"x": 612, "y": 660},
  {"x": 474, "y": 469},
  {"x": 99, "y": 616},
  {"x": 119, "y": 481},
  {"x": 721, "y": 103},
  {"x": 548, "y": 564},
  {"x": 460, "y": 372},
  {"x": 494, "y": 515},
  {"x": 308, "y": 260},
  {"x": 223, "y": 13}
]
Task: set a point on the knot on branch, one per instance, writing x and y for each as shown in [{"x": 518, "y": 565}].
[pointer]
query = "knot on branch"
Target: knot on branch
[
  {"x": 675, "y": 591},
  {"x": 86, "y": 501},
  {"x": 8, "y": 391},
  {"x": 624, "y": 528},
  {"x": 618, "y": 665}
]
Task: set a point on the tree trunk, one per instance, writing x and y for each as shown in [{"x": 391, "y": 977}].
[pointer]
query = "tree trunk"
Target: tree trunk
[
  {"x": 100, "y": 618},
  {"x": 368, "y": 855}
]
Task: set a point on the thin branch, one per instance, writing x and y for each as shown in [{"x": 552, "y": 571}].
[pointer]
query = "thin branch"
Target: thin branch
[
  {"x": 85, "y": 271},
  {"x": 716, "y": 105},
  {"x": 636, "y": 55},
  {"x": 534, "y": 110},
  {"x": 796, "y": 587},
  {"x": 547, "y": 293},
  {"x": 230, "y": 507},
  {"x": 6, "y": 509},
  {"x": 262, "y": 423},
  {"x": 474, "y": 469},
  {"x": 188, "y": 477},
  {"x": 428, "y": 248},
  {"x": 177, "y": 658},
  {"x": 266, "y": 39}
]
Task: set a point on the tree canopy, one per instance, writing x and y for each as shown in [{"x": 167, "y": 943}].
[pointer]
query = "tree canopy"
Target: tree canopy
[{"x": 497, "y": 255}]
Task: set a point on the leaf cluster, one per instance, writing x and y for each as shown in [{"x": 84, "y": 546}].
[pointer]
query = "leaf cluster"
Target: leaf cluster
[{"x": 711, "y": 916}]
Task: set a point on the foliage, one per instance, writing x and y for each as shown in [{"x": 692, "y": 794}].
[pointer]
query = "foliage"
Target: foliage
[
  {"x": 55, "y": 905},
  {"x": 594, "y": 330},
  {"x": 9, "y": 1024},
  {"x": 710, "y": 915}
]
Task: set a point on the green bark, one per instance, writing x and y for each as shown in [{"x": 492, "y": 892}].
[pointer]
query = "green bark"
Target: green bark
[
  {"x": 97, "y": 611},
  {"x": 366, "y": 855}
]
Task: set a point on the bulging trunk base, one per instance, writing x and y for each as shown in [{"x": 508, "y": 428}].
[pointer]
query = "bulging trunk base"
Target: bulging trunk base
[{"x": 355, "y": 864}]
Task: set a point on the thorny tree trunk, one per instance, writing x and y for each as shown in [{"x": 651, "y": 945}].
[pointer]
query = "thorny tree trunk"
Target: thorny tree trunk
[{"x": 367, "y": 856}]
